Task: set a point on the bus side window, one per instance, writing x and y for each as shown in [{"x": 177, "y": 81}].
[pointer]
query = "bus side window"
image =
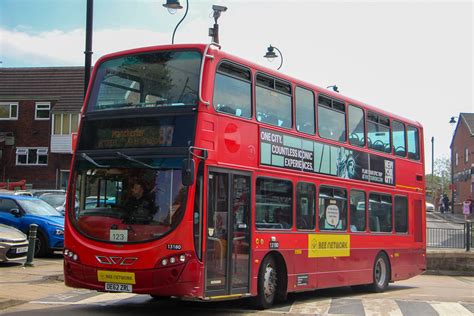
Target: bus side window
[
  {"x": 380, "y": 213},
  {"x": 273, "y": 101},
  {"x": 331, "y": 119},
  {"x": 274, "y": 209},
  {"x": 356, "y": 126},
  {"x": 413, "y": 143},
  {"x": 398, "y": 135},
  {"x": 304, "y": 110},
  {"x": 357, "y": 211},
  {"x": 401, "y": 214},
  {"x": 378, "y": 130},
  {"x": 332, "y": 209},
  {"x": 305, "y": 206},
  {"x": 233, "y": 90}
]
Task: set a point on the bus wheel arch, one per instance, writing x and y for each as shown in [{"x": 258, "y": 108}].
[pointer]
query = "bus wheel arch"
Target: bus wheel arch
[
  {"x": 272, "y": 282},
  {"x": 382, "y": 272}
]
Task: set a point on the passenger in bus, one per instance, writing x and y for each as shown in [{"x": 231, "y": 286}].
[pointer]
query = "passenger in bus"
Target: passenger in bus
[
  {"x": 139, "y": 207},
  {"x": 281, "y": 217}
]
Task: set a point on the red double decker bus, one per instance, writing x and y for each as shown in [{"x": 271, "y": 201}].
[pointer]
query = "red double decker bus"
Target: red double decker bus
[{"x": 203, "y": 176}]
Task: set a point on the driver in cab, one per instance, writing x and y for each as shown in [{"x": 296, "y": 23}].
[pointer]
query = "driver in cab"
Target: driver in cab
[{"x": 139, "y": 208}]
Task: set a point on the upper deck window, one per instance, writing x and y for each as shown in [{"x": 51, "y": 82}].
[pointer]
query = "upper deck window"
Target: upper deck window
[
  {"x": 413, "y": 143},
  {"x": 378, "y": 132},
  {"x": 273, "y": 98},
  {"x": 399, "y": 142},
  {"x": 304, "y": 111},
  {"x": 162, "y": 78},
  {"x": 356, "y": 126},
  {"x": 233, "y": 90},
  {"x": 331, "y": 119}
]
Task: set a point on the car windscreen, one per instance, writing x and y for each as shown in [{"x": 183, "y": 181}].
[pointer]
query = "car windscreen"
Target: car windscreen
[
  {"x": 38, "y": 207},
  {"x": 55, "y": 200}
]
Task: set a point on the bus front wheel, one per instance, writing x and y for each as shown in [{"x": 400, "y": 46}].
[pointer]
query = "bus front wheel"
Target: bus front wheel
[
  {"x": 381, "y": 273},
  {"x": 267, "y": 283}
]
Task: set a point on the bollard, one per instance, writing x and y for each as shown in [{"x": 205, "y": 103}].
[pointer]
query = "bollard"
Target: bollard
[
  {"x": 468, "y": 235},
  {"x": 31, "y": 245}
]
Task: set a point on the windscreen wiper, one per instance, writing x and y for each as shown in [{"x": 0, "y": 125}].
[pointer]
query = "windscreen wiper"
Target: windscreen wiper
[
  {"x": 135, "y": 160},
  {"x": 92, "y": 161}
]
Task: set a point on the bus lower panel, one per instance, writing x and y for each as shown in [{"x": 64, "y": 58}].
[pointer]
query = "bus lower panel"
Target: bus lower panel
[{"x": 170, "y": 281}]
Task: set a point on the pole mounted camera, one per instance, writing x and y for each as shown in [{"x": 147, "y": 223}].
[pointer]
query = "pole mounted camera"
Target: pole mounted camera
[{"x": 214, "y": 31}]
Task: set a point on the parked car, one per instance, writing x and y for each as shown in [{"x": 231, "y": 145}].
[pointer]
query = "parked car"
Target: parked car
[
  {"x": 56, "y": 200},
  {"x": 40, "y": 192},
  {"x": 429, "y": 207},
  {"x": 21, "y": 211},
  {"x": 13, "y": 244}
]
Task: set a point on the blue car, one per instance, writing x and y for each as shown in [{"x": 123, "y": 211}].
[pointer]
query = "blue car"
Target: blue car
[{"x": 21, "y": 211}]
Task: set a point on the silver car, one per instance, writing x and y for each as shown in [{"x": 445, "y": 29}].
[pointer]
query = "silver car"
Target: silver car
[{"x": 13, "y": 244}]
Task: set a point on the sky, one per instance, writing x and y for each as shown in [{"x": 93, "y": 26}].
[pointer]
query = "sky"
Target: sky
[{"x": 413, "y": 58}]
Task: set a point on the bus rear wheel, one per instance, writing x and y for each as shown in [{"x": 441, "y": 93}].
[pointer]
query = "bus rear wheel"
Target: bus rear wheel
[
  {"x": 381, "y": 273},
  {"x": 267, "y": 283}
]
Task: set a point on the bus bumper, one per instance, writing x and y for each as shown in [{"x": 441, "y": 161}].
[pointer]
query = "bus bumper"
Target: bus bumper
[{"x": 181, "y": 280}]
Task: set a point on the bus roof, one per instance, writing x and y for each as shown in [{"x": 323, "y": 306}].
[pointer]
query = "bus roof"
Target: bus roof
[{"x": 269, "y": 71}]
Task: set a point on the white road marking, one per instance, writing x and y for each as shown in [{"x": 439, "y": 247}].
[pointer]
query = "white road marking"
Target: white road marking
[
  {"x": 449, "y": 309},
  {"x": 381, "y": 307},
  {"x": 320, "y": 307}
]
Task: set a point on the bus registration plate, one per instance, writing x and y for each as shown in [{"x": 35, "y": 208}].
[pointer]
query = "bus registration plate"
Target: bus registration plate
[{"x": 114, "y": 287}]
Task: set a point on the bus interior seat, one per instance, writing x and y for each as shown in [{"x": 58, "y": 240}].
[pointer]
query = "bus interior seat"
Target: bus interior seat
[{"x": 374, "y": 222}]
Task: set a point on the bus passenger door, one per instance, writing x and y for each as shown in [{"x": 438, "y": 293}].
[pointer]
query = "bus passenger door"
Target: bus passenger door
[{"x": 228, "y": 234}]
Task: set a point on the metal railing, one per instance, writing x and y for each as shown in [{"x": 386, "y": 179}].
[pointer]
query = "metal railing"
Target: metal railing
[{"x": 458, "y": 237}]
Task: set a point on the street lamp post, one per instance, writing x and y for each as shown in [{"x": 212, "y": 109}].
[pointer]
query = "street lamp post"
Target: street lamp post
[
  {"x": 452, "y": 121},
  {"x": 172, "y": 6},
  {"x": 88, "y": 51},
  {"x": 270, "y": 55}
]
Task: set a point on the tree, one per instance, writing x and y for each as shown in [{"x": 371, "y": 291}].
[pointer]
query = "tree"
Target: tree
[{"x": 438, "y": 184}]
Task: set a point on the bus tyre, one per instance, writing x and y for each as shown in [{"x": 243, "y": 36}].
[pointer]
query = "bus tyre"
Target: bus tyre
[
  {"x": 381, "y": 273},
  {"x": 267, "y": 283}
]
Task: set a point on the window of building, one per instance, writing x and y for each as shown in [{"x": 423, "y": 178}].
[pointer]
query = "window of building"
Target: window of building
[
  {"x": 401, "y": 214},
  {"x": 65, "y": 123},
  {"x": 357, "y": 211},
  {"x": 331, "y": 119},
  {"x": 356, "y": 126},
  {"x": 274, "y": 209},
  {"x": 332, "y": 208},
  {"x": 31, "y": 156},
  {"x": 466, "y": 155},
  {"x": 42, "y": 110},
  {"x": 233, "y": 90},
  {"x": 399, "y": 140},
  {"x": 378, "y": 132},
  {"x": 305, "y": 206},
  {"x": 305, "y": 111},
  {"x": 380, "y": 213},
  {"x": 8, "y": 111},
  {"x": 273, "y": 98},
  {"x": 413, "y": 143},
  {"x": 457, "y": 159}
]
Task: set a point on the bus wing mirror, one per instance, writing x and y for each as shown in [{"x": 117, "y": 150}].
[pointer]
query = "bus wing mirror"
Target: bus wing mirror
[{"x": 188, "y": 172}]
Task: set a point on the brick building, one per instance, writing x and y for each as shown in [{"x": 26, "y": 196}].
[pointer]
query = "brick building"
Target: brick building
[
  {"x": 39, "y": 109},
  {"x": 462, "y": 159}
]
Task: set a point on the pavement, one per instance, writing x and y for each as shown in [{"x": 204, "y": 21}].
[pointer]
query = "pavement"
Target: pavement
[{"x": 19, "y": 284}]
